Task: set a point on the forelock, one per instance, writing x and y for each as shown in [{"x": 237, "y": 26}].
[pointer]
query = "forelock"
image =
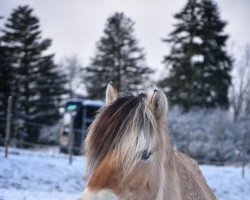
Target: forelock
[{"x": 124, "y": 128}]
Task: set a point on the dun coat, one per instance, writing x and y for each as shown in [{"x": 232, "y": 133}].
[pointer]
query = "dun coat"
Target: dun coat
[{"x": 130, "y": 156}]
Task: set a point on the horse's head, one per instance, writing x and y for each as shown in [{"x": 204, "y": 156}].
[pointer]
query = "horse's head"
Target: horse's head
[{"x": 126, "y": 145}]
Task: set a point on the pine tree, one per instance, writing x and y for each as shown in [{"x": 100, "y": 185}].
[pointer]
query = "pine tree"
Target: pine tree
[
  {"x": 33, "y": 71},
  {"x": 199, "y": 66},
  {"x": 118, "y": 59},
  {"x": 50, "y": 86},
  {"x": 6, "y": 80}
]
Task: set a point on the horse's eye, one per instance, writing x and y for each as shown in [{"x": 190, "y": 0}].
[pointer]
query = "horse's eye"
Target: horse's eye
[{"x": 146, "y": 155}]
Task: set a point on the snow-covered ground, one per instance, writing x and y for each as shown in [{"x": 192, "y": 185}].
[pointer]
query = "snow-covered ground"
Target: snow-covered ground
[
  {"x": 31, "y": 175},
  {"x": 27, "y": 175}
]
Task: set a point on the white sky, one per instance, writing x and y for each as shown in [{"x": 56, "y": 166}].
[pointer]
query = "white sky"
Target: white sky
[{"x": 76, "y": 25}]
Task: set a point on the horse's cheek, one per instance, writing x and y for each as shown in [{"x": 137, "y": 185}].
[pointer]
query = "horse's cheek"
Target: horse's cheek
[{"x": 139, "y": 177}]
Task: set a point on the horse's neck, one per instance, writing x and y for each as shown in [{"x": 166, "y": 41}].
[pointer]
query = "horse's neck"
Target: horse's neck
[
  {"x": 187, "y": 172},
  {"x": 184, "y": 180},
  {"x": 171, "y": 184}
]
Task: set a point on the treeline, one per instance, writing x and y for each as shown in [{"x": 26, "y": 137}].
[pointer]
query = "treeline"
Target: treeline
[
  {"x": 28, "y": 74},
  {"x": 197, "y": 72}
]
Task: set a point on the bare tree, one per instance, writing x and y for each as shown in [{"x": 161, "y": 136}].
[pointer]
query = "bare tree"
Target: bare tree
[
  {"x": 73, "y": 69},
  {"x": 240, "y": 90}
]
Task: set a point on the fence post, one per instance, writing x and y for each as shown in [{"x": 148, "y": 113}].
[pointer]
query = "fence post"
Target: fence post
[
  {"x": 71, "y": 137},
  {"x": 244, "y": 148},
  {"x": 8, "y": 126},
  {"x": 187, "y": 140}
]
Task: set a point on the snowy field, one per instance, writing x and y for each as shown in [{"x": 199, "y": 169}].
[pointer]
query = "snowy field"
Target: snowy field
[{"x": 36, "y": 175}]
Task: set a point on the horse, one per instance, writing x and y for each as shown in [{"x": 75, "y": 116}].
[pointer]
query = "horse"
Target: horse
[{"x": 130, "y": 156}]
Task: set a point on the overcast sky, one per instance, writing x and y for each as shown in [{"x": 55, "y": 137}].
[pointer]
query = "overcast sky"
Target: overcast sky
[{"x": 76, "y": 25}]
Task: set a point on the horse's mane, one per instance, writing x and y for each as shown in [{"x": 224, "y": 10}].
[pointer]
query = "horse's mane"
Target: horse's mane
[{"x": 124, "y": 126}]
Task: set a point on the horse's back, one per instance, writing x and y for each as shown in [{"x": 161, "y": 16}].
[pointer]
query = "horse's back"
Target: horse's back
[{"x": 192, "y": 181}]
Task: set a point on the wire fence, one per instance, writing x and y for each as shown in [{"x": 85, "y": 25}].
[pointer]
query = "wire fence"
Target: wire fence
[
  {"x": 237, "y": 154},
  {"x": 230, "y": 152}
]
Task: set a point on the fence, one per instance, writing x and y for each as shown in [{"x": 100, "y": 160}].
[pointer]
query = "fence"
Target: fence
[
  {"x": 184, "y": 141},
  {"x": 16, "y": 142},
  {"x": 236, "y": 154}
]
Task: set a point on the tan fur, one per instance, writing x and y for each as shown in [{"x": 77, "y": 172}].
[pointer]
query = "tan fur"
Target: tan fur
[
  {"x": 106, "y": 176},
  {"x": 166, "y": 175}
]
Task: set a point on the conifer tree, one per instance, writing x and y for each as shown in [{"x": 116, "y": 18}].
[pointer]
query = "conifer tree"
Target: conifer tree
[
  {"x": 199, "y": 66},
  {"x": 50, "y": 86},
  {"x": 6, "y": 80},
  {"x": 118, "y": 59},
  {"x": 34, "y": 76}
]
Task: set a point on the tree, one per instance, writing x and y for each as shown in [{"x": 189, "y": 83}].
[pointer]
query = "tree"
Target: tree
[
  {"x": 50, "y": 86},
  {"x": 74, "y": 72},
  {"x": 6, "y": 80},
  {"x": 118, "y": 59},
  {"x": 240, "y": 89},
  {"x": 33, "y": 72},
  {"x": 199, "y": 66}
]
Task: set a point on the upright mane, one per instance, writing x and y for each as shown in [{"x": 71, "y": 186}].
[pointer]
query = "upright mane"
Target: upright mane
[{"x": 126, "y": 119}]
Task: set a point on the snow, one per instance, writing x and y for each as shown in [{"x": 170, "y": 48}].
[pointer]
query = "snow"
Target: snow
[
  {"x": 213, "y": 134},
  {"x": 197, "y": 40},
  {"x": 197, "y": 58},
  {"x": 49, "y": 134},
  {"x": 227, "y": 182},
  {"x": 87, "y": 102},
  {"x": 39, "y": 175}
]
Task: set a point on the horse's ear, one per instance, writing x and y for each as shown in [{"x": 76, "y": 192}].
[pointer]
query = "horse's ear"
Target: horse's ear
[
  {"x": 111, "y": 93},
  {"x": 158, "y": 103}
]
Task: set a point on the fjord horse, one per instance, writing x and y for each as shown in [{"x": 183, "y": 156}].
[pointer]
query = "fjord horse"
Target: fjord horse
[{"x": 130, "y": 156}]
